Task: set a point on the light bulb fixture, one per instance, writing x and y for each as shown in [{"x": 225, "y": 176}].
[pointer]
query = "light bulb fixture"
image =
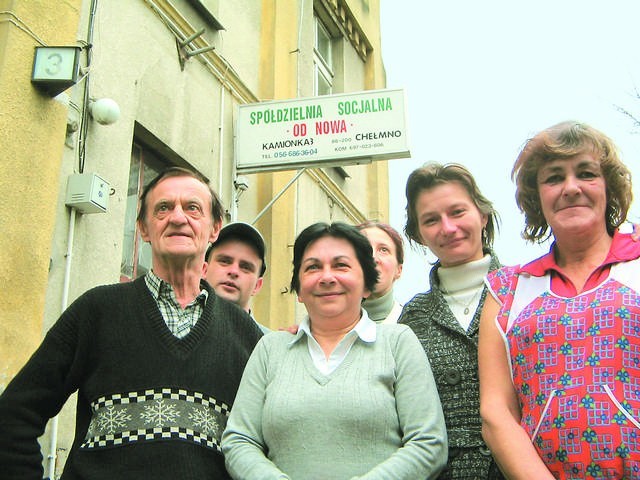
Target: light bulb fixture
[{"x": 105, "y": 111}]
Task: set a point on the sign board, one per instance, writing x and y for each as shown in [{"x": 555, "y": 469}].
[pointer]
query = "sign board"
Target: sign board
[{"x": 330, "y": 130}]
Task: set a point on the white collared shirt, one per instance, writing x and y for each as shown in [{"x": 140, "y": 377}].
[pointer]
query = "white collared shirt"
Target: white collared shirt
[{"x": 365, "y": 329}]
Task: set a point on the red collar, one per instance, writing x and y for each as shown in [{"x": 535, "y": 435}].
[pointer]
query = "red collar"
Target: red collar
[{"x": 623, "y": 248}]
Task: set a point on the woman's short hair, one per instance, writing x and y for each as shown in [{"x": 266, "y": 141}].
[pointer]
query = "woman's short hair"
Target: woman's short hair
[
  {"x": 360, "y": 244},
  {"x": 432, "y": 175},
  {"x": 217, "y": 210},
  {"x": 562, "y": 141},
  {"x": 393, "y": 234}
]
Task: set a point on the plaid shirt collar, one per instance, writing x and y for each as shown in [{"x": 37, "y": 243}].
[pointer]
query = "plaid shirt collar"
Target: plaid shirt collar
[
  {"x": 178, "y": 320},
  {"x": 159, "y": 288}
]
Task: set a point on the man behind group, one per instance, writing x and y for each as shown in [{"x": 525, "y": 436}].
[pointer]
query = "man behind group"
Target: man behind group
[
  {"x": 156, "y": 362},
  {"x": 236, "y": 265}
]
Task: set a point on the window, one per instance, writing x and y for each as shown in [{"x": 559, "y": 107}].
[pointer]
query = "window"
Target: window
[
  {"x": 136, "y": 254},
  {"x": 322, "y": 60}
]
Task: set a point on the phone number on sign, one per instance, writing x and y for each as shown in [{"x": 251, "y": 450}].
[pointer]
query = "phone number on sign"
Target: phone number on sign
[
  {"x": 296, "y": 153},
  {"x": 343, "y": 148}
]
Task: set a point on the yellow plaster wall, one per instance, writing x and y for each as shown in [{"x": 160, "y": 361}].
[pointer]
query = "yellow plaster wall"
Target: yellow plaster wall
[
  {"x": 275, "y": 306},
  {"x": 32, "y": 134},
  {"x": 376, "y": 78},
  {"x": 277, "y": 81}
]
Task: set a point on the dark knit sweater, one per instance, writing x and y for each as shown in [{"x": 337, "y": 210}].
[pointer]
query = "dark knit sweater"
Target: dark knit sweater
[
  {"x": 149, "y": 405},
  {"x": 453, "y": 354}
]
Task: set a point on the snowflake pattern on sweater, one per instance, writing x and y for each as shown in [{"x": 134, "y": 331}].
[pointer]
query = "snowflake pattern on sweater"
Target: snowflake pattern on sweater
[{"x": 150, "y": 415}]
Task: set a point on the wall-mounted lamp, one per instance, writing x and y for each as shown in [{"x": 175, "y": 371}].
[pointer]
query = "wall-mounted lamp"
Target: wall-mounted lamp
[
  {"x": 241, "y": 183},
  {"x": 55, "y": 68},
  {"x": 104, "y": 111}
]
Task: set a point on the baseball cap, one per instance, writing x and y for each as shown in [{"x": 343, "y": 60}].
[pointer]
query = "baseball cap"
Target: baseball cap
[{"x": 245, "y": 232}]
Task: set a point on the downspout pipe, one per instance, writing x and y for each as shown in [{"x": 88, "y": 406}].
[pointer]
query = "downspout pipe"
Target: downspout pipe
[{"x": 53, "y": 440}]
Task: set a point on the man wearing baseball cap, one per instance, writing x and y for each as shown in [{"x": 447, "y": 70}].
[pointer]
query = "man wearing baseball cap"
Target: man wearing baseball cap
[{"x": 236, "y": 265}]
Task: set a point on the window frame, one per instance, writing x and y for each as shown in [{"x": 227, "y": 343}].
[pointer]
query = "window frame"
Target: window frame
[
  {"x": 323, "y": 67},
  {"x": 148, "y": 164}
]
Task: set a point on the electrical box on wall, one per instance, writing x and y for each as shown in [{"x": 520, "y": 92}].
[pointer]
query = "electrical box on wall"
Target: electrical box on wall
[{"x": 88, "y": 193}]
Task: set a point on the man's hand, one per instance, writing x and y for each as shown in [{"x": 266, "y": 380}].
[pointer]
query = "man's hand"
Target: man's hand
[{"x": 293, "y": 329}]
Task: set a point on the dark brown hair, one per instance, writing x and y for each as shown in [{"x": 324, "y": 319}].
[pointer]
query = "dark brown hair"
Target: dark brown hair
[{"x": 351, "y": 234}]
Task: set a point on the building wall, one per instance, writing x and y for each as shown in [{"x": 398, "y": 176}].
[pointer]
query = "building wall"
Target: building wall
[
  {"x": 32, "y": 132},
  {"x": 288, "y": 73},
  {"x": 187, "y": 110}
]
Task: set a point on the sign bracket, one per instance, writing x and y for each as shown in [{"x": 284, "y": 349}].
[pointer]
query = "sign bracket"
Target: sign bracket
[{"x": 278, "y": 195}]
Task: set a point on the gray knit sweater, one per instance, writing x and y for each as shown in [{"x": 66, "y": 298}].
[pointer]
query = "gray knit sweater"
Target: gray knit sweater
[
  {"x": 453, "y": 354},
  {"x": 376, "y": 417}
]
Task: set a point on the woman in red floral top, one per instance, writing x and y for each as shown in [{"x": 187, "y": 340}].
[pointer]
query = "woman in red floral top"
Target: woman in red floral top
[{"x": 563, "y": 399}]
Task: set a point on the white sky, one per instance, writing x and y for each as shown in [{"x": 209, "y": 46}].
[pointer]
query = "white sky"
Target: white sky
[{"x": 482, "y": 77}]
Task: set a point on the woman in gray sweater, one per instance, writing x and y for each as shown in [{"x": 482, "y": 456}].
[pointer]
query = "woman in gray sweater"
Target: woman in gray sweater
[
  {"x": 447, "y": 214},
  {"x": 344, "y": 397}
]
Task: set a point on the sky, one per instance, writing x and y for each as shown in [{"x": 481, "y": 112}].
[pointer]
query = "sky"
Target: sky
[{"x": 480, "y": 78}]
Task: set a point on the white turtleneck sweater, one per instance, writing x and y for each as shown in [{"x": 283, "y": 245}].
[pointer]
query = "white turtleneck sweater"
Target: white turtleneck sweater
[{"x": 462, "y": 286}]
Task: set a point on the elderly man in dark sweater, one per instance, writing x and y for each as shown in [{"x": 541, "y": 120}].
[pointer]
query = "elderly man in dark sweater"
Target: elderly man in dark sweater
[{"x": 156, "y": 362}]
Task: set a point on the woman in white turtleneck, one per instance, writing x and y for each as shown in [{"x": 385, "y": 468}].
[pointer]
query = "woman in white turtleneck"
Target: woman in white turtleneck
[
  {"x": 447, "y": 214},
  {"x": 388, "y": 252},
  {"x": 461, "y": 286}
]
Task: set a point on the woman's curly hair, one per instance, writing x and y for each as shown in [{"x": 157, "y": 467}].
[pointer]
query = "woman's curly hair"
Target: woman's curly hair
[{"x": 562, "y": 141}]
